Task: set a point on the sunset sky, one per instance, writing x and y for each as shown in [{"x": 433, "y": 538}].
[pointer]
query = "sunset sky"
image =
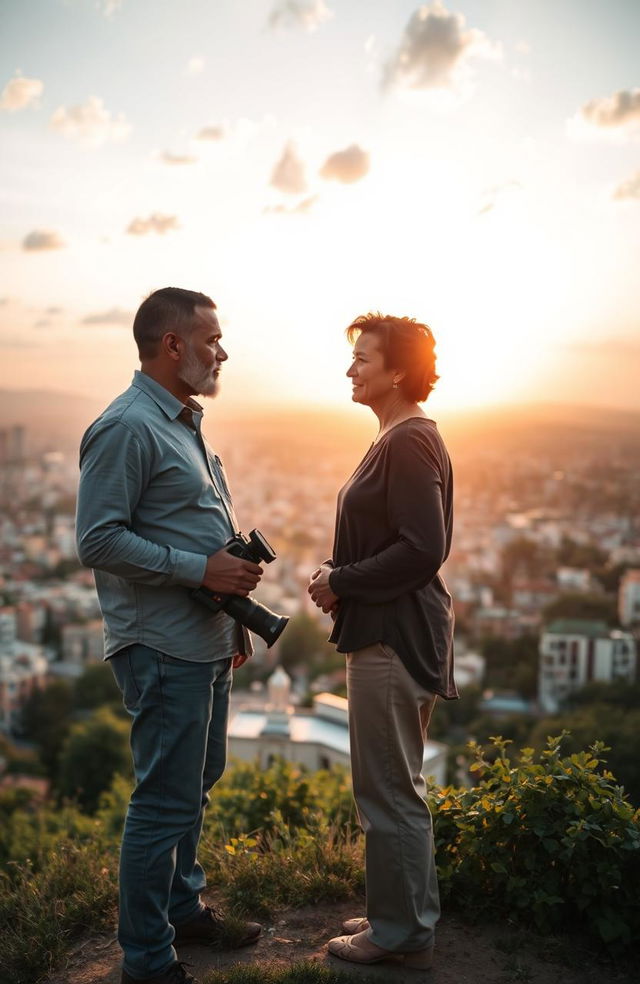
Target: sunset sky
[{"x": 475, "y": 164}]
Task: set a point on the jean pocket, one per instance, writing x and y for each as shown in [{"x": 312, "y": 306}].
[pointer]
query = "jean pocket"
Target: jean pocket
[{"x": 123, "y": 671}]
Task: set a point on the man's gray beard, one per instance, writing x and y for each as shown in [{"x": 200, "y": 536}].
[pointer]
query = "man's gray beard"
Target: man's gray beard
[{"x": 196, "y": 375}]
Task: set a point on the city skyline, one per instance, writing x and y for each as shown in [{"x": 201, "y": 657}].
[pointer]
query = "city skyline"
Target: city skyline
[{"x": 471, "y": 164}]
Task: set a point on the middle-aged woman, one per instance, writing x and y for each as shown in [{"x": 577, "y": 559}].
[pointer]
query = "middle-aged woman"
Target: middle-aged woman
[{"x": 393, "y": 618}]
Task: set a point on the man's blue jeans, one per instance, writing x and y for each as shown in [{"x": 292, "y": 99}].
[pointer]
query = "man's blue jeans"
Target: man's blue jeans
[{"x": 178, "y": 742}]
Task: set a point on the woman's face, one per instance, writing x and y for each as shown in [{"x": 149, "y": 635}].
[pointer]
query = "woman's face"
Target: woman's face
[{"x": 370, "y": 380}]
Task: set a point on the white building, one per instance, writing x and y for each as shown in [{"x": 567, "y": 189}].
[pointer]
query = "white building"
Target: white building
[
  {"x": 574, "y": 579},
  {"x": 23, "y": 667},
  {"x": 574, "y": 652},
  {"x": 469, "y": 668},
  {"x": 629, "y": 598},
  {"x": 316, "y": 738}
]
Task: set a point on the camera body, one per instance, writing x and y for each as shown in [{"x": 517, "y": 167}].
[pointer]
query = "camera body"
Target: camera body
[{"x": 256, "y": 617}]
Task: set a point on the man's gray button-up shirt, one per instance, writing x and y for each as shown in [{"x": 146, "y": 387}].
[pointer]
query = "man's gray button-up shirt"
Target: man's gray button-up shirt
[{"x": 153, "y": 504}]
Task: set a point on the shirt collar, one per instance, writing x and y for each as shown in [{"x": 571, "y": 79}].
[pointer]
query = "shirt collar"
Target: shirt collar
[{"x": 168, "y": 403}]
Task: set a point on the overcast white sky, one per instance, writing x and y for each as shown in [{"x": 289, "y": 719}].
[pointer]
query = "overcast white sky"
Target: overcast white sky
[{"x": 474, "y": 164}]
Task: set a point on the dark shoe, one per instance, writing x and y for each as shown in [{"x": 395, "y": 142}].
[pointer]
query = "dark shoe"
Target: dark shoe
[
  {"x": 174, "y": 974},
  {"x": 210, "y": 927}
]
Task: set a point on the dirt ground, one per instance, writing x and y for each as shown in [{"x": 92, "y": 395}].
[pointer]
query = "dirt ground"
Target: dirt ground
[{"x": 465, "y": 954}]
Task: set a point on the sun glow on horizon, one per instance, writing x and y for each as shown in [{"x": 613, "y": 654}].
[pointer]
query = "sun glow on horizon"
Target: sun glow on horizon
[{"x": 299, "y": 198}]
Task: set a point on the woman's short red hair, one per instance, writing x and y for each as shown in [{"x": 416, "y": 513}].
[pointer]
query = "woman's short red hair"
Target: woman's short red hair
[{"x": 407, "y": 346}]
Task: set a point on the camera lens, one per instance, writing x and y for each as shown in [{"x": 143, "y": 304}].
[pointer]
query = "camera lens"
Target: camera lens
[{"x": 256, "y": 617}]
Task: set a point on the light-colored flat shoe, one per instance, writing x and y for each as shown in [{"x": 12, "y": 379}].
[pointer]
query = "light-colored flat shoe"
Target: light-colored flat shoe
[
  {"x": 353, "y": 926},
  {"x": 359, "y": 949}
]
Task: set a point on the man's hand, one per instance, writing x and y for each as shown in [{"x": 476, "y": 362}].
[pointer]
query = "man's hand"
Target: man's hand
[
  {"x": 227, "y": 574},
  {"x": 320, "y": 589},
  {"x": 238, "y": 660}
]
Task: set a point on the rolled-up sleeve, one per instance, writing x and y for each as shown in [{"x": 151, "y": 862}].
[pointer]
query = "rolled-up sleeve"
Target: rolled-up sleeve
[
  {"x": 415, "y": 514},
  {"x": 114, "y": 472}
]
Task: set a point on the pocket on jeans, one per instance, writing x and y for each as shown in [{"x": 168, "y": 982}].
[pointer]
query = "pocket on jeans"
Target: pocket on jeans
[{"x": 122, "y": 667}]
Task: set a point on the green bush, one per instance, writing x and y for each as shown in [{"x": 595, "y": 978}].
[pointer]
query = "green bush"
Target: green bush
[
  {"x": 93, "y": 752},
  {"x": 246, "y": 798},
  {"x": 554, "y": 843},
  {"x": 34, "y": 834}
]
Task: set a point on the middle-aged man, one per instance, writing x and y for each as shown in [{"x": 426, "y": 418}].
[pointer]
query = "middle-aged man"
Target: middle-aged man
[{"x": 154, "y": 513}]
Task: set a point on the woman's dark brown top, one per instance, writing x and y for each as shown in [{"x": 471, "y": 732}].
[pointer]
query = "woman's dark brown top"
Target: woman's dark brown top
[{"x": 393, "y": 533}]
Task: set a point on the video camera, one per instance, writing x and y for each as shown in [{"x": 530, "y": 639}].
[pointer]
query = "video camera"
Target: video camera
[{"x": 256, "y": 617}]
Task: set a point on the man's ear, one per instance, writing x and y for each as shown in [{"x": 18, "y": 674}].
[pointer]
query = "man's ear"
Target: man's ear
[{"x": 172, "y": 345}]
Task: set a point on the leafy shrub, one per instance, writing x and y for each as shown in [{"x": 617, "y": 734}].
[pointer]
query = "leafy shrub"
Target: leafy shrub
[
  {"x": 94, "y": 751},
  {"x": 33, "y": 834},
  {"x": 553, "y": 842},
  {"x": 246, "y": 798}
]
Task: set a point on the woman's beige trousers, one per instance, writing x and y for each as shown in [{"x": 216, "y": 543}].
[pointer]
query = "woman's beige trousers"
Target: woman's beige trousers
[{"x": 388, "y": 717}]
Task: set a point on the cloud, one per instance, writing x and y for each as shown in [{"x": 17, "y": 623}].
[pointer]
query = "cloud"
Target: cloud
[
  {"x": 629, "y": 189},
  {"x": 347, "y": 165},
  {"x": 114, "y": 316},
  {"x": 307, "y": 14},
  {"x": 156, "y": 222},
  {"x": 20, "y": 92},
  {"x": 302, "y": 208},
  {"x": 168, "y": 158},
  {"x": 91, "y": 122},
  {"x": 434, "y": 47},
  {"x": 42, "y": 239},
  {"x": 288, "y": 174},
  {"x": 619, "y": 110},
  {"x": 210, "y": 133},
  {"x": 195, "y": 65},
  {"x": 54, "y": 309}
]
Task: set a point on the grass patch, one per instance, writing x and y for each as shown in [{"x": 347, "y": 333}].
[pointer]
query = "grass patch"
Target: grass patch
[
  {"x": 258, "y": 875},
  {"x": 42, "y": 914},
  {"x": 304, "y": 972}
]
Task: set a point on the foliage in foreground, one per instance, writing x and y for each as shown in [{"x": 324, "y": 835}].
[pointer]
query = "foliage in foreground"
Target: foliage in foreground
[
  {"x": 554, "y": 842},
  {"x": 302, "y": 972},
  {"x": 291, "y": 868},
  {"x": 42, "y": 914}
]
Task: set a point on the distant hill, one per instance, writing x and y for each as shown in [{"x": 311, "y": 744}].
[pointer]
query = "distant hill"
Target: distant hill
[{"x": 57, "y": 420}]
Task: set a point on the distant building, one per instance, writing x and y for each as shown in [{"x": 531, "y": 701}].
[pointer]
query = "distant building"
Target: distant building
[
  {"x": 317, "y": 738},
  {"x": 83, "y": 643},
  {"x": 23, "y": 668},
  {"x": 574, "y": 652},
  {"x": 505, "y": 705},
  {"x": 574, "y": 579},
  {"x": 470, "y": 667},
  {"x": 529, "y": 595},
  {"x": 629, "y": 598},
  {"x": 505, "y": 623}
]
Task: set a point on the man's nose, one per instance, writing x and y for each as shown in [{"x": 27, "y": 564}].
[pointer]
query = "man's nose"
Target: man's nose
[{"x": 222, "y": 355}]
